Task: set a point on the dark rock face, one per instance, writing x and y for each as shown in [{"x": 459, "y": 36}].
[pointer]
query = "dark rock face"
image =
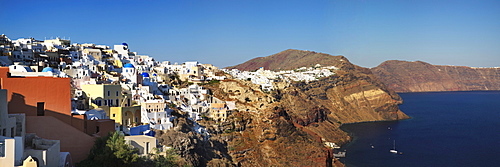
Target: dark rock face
[
  {"x": 403, "y": 76},
  {"x": 194, "y": 148},
  {"x": 288, "y": 127},
  {"x": 291, "y": 130}
]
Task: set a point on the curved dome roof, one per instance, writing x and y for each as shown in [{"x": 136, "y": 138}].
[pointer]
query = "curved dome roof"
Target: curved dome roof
[
  {"x": 128, "y": 65},
  {"x": 47, "y": 69},
  {"x": 145, "y": 75}
]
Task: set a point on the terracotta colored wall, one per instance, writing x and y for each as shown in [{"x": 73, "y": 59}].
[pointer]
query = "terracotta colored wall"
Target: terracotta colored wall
[
  {"x": 24, "y": 93},
  {"x": 58, "y": 123},
  {"x": 3, "y": 74},
  {"x": 72, "y": 140},
  {"x": 78, "y": 122},
  {"x": 105, "y": 126}
]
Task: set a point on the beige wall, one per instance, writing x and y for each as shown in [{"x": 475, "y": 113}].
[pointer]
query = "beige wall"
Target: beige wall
[
  {"x": 218, "y": 111},
  {"x": 144, "y": 143},
  {"x": 8, "y": 158},
  {"x": 46, "y": 151},
  {"x": 71, "y": 139},
  {"x": 154, "y": 106},
  {"x": 29, "y": 162}
]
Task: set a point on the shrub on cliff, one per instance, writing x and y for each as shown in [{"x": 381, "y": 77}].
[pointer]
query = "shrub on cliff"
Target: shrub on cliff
[{"x": 113, "y": 151}]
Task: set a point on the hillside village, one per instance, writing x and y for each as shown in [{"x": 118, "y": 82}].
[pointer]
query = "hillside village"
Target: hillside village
[{"x": 57, "y": 97}]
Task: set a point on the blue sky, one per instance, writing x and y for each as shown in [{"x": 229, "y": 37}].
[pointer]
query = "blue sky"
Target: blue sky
[{"x": 226, "y": 33}]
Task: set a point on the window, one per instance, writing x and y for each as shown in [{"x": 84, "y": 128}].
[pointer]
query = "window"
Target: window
[
  {"x": 116, "y": 93},
  {"x": 114, "y": 115},
  {"x": 40, "y": 109},
  {"x": 118, "y": 102},
  {"x": 108, "y": 93},
  {"x": 105, "y": 102}
]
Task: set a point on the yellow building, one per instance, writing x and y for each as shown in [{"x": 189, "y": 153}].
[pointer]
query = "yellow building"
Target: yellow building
[
  {"x": 218, "y": 112},
  {"x": 106, "y": 95},
  {"x": 126, "y": 116},
  {"x": 154, "y": 106},
  {"x": 96, "y": 53}
]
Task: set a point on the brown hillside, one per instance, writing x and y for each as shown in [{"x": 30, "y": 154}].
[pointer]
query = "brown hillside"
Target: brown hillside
[
  {"x": 288, "y": 60},
  {"x": 404, "y": 76},
  {"x": 288, "y": 126}
]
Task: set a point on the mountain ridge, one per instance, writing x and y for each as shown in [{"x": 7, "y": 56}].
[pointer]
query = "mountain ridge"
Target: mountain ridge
[
  {"x": 419, "y": 76},
  {"x": 288, "y": 60},
  {"x": 291, "y": 125}
]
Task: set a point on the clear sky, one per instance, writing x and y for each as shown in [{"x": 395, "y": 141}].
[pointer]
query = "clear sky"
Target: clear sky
[{"x": 225, "y": 33}]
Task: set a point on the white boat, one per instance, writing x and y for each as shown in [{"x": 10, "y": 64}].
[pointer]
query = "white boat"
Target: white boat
[
  {"x": 340, "y": 154},
  {"x": 393, "y": 150}
]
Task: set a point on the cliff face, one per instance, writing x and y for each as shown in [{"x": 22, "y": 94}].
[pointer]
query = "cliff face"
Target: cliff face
[
  {"x": 403, "y": 76},
  {"x": 288, "y": 127}
]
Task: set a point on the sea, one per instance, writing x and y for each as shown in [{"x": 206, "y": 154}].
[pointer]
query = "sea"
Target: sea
[{"x": 446, "y": 129}]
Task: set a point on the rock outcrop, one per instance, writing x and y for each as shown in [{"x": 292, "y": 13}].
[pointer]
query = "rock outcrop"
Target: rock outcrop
[
  {"x": 288, "y": 126},
  {"x": 404, "y": 76}
]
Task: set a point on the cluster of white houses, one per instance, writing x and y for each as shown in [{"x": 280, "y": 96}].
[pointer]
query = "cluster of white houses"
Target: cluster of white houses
[
  {"x": 265, "y": 78},
  {"x": 104, "y": 84},
  {"x": 73, "y": 93}
]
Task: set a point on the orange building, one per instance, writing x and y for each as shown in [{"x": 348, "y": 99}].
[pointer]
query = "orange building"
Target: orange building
[
  {"x": 46, "y": 102},
  {"x": 38, "y": 96}
]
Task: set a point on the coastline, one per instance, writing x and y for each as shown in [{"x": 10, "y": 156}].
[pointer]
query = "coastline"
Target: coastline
[
  {"x": 449, "y": 91},
  {"x": 352, "y": 138},
  {"x": 458, "y": 114}
]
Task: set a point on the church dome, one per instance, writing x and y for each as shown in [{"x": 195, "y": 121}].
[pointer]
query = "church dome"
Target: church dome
[
  {"x": 145, "y": 75},
  {"x": 47, "y": 69},
  {"x": 128, "y": 65}
]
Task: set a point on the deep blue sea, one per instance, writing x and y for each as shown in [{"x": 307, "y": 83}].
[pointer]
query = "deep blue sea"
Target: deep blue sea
[{"x": 446, "y": 129}]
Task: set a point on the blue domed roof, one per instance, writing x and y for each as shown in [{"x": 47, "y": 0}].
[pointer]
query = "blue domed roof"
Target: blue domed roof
[
  {"x": 145, "y": 75},
  {"x": 47, "y": 69},
  {"x": 128, "y": 65},
  {"x": 154, "y": 74}
]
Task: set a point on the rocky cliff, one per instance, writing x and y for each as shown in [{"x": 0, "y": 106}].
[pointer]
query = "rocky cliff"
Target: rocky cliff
[
  {"x": 404, "y": 76},
  {"x": 289, "y": 126}
]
